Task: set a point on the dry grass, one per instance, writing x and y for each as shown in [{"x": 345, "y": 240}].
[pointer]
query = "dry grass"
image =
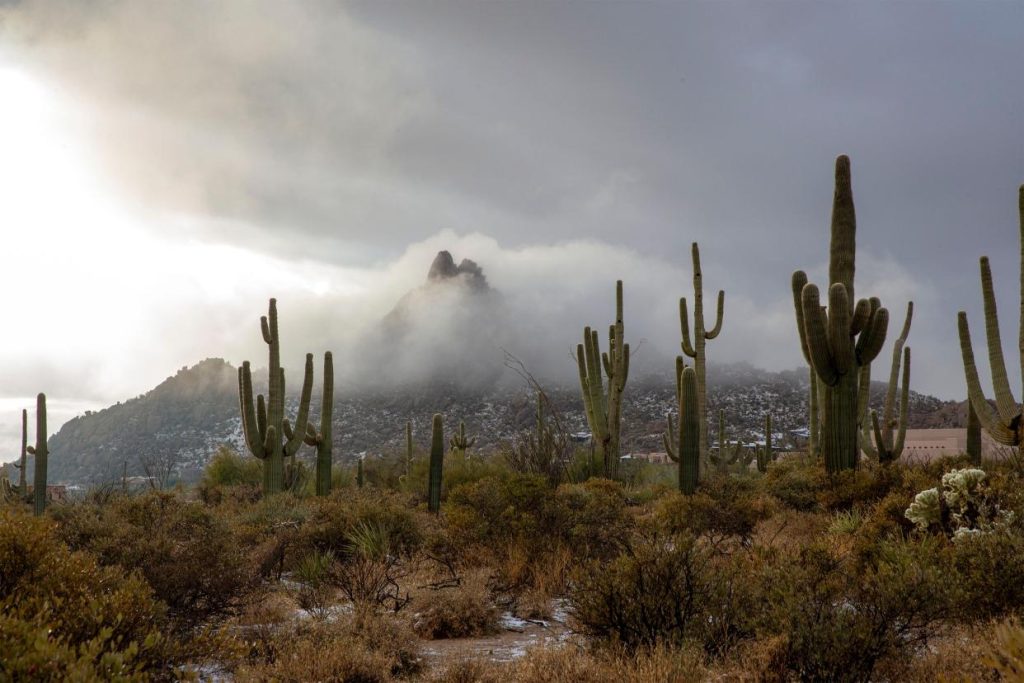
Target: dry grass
[{"x": 460, "y": 612}]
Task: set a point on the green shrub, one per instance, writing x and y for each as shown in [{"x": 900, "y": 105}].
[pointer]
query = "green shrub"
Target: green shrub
[
  {"x": 795, "y": 483},
  {"x": 63, "y": 616},
  {"x": 838, "y": 621},
  {"x": 187, "y": 554},
  {"x": 724, "y": 507},
  {"x": 228, "y": 468}
]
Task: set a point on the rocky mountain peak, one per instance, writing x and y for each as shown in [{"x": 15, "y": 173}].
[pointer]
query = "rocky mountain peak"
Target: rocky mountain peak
[{"x": 443, "y": 269}]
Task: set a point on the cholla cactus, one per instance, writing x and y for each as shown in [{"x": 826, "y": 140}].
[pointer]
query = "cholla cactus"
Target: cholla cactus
[{"x": 960, "y": 508}]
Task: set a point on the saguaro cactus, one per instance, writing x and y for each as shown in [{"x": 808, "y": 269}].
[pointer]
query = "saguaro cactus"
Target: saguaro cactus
[
  {"x": 683, "y": 445},
  {"x": 722, "y": 457},
  {"x": 1005, "y": 424},
  {"x": 844, "y": 338},
  {"x": 766, "y": 454},
  {"x": 973, "y": 435},
  {"x": 322, "y": 439},
  {"x": 40, "y": 452},
  {"x": 815, "y": 389},
  {"x": 359, "y": 472},
  {"x": 604, "y": 411},
  {"x": 22, "y": 462},
  {"x": 889, "y": 448},
  {"x": 459, "y": 441},
  {"x": 263, "y": 422},
  {"x": 436, "y": 463},
  {"x": 408, "y": 447},
  {"x": 694, "y": 345}
]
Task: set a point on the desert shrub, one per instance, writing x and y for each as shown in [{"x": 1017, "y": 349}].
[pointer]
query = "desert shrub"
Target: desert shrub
[
  {"x": 723, "y": 508},
  {"x": 837, "y": 622},
  {"x": 314, "y": 589},
  {"x": 795, "y": 483},
  {"x": 332, "y": 520},
  {"x": 362, "y": 648},
  {"x": 594, "y": 517},
  {"x": 863, "y": 486},
  {"x": 369, "y": 572},
  {"x": 1006, "y": 651},
  {"x": 229, "y": 468},
  {"x": 62, "y": 615},
  {"x": 493, "y": 510},
  {"x": 652, "y": 594},
  {"x": 462, "y": 611},
  {"x": 187, "y": 554},
  {"x": 565, "y": 664},
  {"x": 990, "y": 573}
]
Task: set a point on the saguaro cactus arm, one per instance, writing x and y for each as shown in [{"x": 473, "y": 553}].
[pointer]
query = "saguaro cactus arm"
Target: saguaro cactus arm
[
  {"x": 294, "y": 442},
  {"x": 1006, "y": 434}
]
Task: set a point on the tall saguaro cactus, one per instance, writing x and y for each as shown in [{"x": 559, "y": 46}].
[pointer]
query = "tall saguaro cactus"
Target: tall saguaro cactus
[
  {"x": 263, "y": 421},
  {"x": 436, "y": 463},
  {"x": 683, "y": 444},
  {"x": 843, "y": 338},
  {"x": 21, "y": 465},
  {"x": 694, "y": 345},
  {"x": 604, "y": 411},
  {"x": 40, "y": 452},
  {"x": 886, "y": 446},
  {"x": 1005, "y": 424},
  {"x": 321, "y": 439}
]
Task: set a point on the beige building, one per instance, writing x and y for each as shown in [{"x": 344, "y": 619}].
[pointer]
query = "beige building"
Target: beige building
[{"x": 928, "y": 444}]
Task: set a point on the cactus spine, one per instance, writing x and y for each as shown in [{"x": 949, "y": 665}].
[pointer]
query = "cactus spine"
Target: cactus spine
[
  {"x": 973, "y": 435},
  {"x": 843, "y": 339},
  {"x": 1005, "y": 424},
  {"x": 322, "y": 439},
  {"x": 436, "y": 463},
  {"x": 40, "y": 452},
  {"x": 460, "y": 442},
  {"x": 885, "y": 447},
  {"x": 694, "y": 345},
  {"x": 683, "y": 446},
  {"x": 603, "y": 411},
  {"x": 263, "y": 422}
]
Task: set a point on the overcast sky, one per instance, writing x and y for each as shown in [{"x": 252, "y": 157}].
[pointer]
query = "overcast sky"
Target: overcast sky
[{"x": 165, "y": 167}]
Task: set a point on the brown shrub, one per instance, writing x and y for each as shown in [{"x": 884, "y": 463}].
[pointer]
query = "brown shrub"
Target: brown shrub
[{"x": 460, "y": 612}]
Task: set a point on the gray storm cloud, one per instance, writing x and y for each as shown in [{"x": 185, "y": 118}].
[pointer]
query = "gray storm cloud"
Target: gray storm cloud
[{"x": 324, "y": 153}]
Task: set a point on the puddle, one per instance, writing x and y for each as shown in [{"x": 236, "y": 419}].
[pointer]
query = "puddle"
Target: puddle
[{"x": 517, "y": 636}]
